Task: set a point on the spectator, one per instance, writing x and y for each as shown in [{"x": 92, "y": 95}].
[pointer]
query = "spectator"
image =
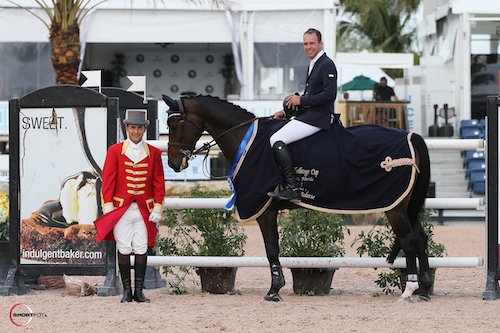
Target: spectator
[{"x": 382, "y": 92}]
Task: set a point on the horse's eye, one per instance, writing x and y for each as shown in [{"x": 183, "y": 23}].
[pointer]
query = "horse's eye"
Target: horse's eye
[{"x": 172, "y": 123}]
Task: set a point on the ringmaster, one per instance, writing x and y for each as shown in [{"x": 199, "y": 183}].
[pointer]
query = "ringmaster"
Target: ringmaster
[{"x": 133, "y": 188}]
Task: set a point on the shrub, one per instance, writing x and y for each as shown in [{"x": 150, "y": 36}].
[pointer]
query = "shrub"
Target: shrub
[
  {"x": 199, "y": 232},
  {"x": 378, "y": 241},
  {"x": 309, "y": 233}
]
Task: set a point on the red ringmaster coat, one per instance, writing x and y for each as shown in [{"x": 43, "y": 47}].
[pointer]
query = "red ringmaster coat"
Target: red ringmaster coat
[{"x": 124, "y": 182}]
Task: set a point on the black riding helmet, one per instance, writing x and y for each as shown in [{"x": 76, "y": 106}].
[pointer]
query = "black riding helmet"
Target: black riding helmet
[{"x": 290, "y": 112}]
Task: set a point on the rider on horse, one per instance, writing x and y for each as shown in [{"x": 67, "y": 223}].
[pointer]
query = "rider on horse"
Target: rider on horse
[{"x": 316, "y": 108}]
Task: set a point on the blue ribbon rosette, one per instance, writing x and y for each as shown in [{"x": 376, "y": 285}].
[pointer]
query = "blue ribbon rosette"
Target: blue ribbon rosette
[{"x": 241, "y": 149}]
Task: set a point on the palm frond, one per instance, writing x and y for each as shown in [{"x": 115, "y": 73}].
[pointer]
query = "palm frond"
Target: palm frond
[
  {"x": 84, "y": 10},
  {"x": 33, "y": 13}
]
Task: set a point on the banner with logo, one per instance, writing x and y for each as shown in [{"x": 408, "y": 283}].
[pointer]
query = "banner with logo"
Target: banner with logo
[{"x": 61, "y": 154}]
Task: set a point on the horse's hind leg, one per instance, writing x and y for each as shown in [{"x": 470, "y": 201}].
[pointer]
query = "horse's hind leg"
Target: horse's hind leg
[
  {"x": 424, "y": 277},
  {"x": 400, "y": 223},
  {"x": 269, "y": 227},
  {"x": 393, "y": 253}
]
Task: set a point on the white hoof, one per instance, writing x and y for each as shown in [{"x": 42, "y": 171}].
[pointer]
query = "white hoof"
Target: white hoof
[
  {"x": 405, "y": 300},
  {"x": 410, "y": 288}
]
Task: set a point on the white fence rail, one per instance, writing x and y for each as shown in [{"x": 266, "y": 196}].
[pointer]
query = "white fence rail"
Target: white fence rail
[
  {"x": 308, "y": 262},
  {"x": 432, "y": 144},
  {"x": 434, "y": 203}
]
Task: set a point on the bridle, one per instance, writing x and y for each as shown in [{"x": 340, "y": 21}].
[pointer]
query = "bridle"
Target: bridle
[
  {"x": 181, "y": 113},
  {"x": 185, "y": 151}
]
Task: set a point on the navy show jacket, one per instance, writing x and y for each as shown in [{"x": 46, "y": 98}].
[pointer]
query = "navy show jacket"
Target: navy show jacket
[{"x": 317, "y": 102}]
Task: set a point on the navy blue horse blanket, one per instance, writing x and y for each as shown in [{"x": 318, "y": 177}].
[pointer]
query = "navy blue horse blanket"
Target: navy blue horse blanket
[{"x": 354, "y": 170}]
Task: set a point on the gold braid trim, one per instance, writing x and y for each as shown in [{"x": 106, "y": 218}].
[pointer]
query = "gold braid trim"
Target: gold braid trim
[{"x": 389, "y": 163}]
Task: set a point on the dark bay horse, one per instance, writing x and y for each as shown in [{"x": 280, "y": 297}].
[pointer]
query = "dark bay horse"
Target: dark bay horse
[{"x": 227, "y": 124}]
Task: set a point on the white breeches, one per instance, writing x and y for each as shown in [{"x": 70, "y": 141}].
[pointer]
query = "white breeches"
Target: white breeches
[
  {"x": 130, "y": 232},
  {"x": 293, "y": 131}
]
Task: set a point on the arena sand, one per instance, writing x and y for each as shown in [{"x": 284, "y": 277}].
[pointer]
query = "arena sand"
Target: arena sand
[{"x": 350, "y": 307}]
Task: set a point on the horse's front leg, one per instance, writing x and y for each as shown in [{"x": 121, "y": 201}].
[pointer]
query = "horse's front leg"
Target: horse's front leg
[{"x": 269, "y": 227}]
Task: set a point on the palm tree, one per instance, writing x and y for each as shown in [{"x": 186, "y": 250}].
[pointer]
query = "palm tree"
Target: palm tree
[
  {"x": 383, "y": 22},
  {"x": 64, "y": 19}
]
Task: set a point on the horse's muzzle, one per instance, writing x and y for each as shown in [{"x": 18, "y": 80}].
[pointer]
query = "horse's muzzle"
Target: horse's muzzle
[
  {"x": 184, "y": 163},
  {"x": 178, "y": 164}
]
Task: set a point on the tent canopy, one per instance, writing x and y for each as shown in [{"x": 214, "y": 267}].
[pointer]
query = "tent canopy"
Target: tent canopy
[{"x": 359, "y": 82}]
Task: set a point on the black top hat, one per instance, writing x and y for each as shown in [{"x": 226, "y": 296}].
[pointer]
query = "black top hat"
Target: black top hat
[{"x": 136, "y": 117}]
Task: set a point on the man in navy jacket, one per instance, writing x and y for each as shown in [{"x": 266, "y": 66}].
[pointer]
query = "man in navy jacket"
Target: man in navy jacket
[{"x": 316, "y": 107}]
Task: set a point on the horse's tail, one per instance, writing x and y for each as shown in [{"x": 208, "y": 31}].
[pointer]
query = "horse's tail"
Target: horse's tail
[{"x": 419, "y": 194}]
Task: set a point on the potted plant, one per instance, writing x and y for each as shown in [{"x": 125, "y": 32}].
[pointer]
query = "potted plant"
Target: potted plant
[
  {"x": 4, "y": 236},
  {"x": 203, "y": 232},
  {"x": 377, "y": 242},
  {"x": 309, "y": 233}
]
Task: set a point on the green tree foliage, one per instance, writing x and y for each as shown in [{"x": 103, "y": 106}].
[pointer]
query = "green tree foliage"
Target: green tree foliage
[{"x": 384, "y": 24}]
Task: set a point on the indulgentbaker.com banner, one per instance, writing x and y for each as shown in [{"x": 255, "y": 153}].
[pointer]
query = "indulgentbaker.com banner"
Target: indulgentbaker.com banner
[{"x": 62, "y": 151}]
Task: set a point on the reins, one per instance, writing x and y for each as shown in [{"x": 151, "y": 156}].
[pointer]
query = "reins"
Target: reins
[
  {"x": 207, "y": 145},
  {"x": 182, "y": 113},
  {"x": 213, "y": 142}
]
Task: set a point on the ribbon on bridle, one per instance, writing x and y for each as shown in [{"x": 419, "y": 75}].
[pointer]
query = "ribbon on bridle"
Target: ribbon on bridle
[{"x": 189, "y": 154}]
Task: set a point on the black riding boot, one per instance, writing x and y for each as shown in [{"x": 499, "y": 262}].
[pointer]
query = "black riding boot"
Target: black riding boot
[
  {"x": 124, "y": 266},
  {"x": 139, "y": 272},
  {"x": 290, "y": 191}
]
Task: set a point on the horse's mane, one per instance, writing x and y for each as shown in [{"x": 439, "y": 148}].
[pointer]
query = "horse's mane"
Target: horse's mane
[{"x": 222, "y": 103}]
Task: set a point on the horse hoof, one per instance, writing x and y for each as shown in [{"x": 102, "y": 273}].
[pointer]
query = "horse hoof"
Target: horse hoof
[
  {"x": 423, "y": 298},
  {"x": 273, "y": 298},
  {"x": 405, "y": 300}
]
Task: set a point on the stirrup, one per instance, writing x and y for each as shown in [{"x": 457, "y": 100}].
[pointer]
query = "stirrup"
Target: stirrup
[{"x": 286, "y": 193}]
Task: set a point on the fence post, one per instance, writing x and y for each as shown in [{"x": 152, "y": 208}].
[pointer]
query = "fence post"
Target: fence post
[{"x": 492, "y": 289}]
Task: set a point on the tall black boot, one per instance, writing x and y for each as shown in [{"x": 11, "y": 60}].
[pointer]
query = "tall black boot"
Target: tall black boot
[
  {"x": 290, "y": 191},
  {"x": 140, "y": 264},
  {"x": 124, "y": 266}
]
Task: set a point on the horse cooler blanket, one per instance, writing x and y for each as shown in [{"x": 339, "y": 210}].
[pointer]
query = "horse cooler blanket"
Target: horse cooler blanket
[{"x": 361, "y": 169}]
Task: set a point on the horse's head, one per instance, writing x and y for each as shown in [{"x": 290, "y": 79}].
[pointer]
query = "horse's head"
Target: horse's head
[{"x": 184, "y": 130}]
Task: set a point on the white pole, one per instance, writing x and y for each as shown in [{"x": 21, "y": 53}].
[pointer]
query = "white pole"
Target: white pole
[
  {"x": 181, "y": 203},
  {"x": 432, "y": 144},
  {"x": 455, "y": 203},
  {"x": 308, "y": 262},
  {"x": 215, "y": 203},
  {"x": 455, "y": 144}
]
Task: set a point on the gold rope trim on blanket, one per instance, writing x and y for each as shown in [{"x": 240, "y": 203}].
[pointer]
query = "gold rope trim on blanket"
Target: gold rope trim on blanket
[{"x": 389, "y": 163}]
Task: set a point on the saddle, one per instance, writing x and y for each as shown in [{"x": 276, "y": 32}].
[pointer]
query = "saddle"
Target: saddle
[{"x": 355, "y": 170}]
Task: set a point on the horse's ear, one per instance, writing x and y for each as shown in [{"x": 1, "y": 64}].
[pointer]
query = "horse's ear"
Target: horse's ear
[{"x": 172, "y": 103}]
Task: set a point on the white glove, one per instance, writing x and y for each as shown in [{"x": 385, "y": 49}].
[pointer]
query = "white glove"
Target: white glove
[
  {"x": 155, "y": 215},
  {"x": 155, "y": 218},
  {"x": 108, "y": 207}
]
